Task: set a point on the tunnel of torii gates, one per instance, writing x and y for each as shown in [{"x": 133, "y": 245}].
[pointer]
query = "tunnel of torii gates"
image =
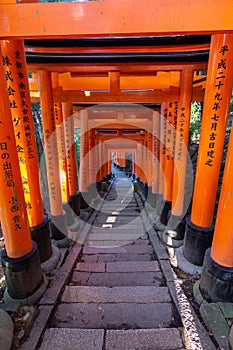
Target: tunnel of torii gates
[{"x": 126, "y": 76}]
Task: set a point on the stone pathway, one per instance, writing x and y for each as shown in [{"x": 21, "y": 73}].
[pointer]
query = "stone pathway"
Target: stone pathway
[
  {"x": 116, "y": 297},
  {"x": 116, "y": 291}
]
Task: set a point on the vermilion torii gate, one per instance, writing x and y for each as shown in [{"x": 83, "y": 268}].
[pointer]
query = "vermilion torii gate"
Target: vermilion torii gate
[{"x": 168, "y": 75}]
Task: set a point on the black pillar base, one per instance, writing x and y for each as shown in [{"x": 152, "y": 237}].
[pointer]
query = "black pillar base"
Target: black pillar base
[
  {"x": 159, "y": 204},
  {"x": 58, "y": 226},
  {"x": 216, "y": 284},
  {"x": 69, "y": 213},
  {"x": 176, "y": 227},
  {"x": 146, "y": 190},
  {"x": 153, "y": 199},
  {"x": 196, "y": 241},
  {"x": 23, "y": 275},
  {"x": 75, "y": 203},
  {"x": 104, "y": 186},
  {"x": 165, "y": 212},
  {"x": 92, "y": 191},
  {"x": 41, "y": 235},
  {"x": 98, "y": 187},
  {"x": 83, "y": 202},
  {"x": 150, "y": 196}
]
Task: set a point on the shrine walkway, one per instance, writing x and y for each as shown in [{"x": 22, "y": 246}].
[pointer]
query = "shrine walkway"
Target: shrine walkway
[{"x": 116, "y": 291}]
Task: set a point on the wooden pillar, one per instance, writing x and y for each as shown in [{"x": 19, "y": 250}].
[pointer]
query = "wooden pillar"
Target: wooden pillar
[
  {"x": 83, "y": 171},
  {"x": 20, "y": 259},
  {"x": 70, "y": 147},
  {"x": 219, "y": 83},
  {"x": 20, "y": 104},
  {"x": 176, "y": 224},
  {"x": 58, "y": 115},
  {"x": 216, "y": 278},
  {"x": 162, "y": 148},
  {"x": 109, "y": 161},
  {"x": 71, "y": 156},
  {"x": 58, "y": 218},
  {"x": 169, "y": 156},
  {"x": 155, "y": 151}
]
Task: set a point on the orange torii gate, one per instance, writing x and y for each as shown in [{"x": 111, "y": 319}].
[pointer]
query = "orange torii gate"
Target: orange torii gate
[{"x": 196, "y": 18}]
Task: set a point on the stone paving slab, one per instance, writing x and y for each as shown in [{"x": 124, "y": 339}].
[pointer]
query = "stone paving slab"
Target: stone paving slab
[
  {"x": 116, "y": 279},
  {"x": 70, "y": 339},
  {"x": 216, "y": 323},
  {"x": 137, "y": 294},
  {"x": 132, "y": 266},
  {"x": 91, "y": 267},
  {"x": 144, "y": 339},
  {"x": 108, "y": 244},
  {"x": 130, "y": 249},
  {"x": 113, "y": 316},
  {"x": 111, "y": 236},
  {"x": 142, "y": 241},
  {"x": 158, "y": 247},
  {"x": 116, "y": 257},
  {"x": 133, "y": 257},
  {"x": 123, "y": 229},
  {"x": 38, "y": 327}
]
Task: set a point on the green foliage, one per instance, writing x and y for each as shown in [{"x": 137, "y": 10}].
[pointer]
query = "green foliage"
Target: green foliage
[{"x": 195, "y": 121}]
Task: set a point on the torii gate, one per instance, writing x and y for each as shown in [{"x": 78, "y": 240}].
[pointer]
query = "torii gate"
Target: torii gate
[{"x": 30, "y": 21}]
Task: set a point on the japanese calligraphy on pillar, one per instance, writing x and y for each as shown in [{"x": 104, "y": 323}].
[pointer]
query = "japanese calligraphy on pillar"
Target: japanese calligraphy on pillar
[
  {"x": 21, "y": 112},
  {"x": 180, "y": 135},
  {"x": 175, "y": 115},
  {"x": 61, "y": 151},
  {"x": 165, "y": 114},
  {"x": 70, "y": 147},
  {"x": 218, "y": 102},
  {"x": 170, "y": 133}
]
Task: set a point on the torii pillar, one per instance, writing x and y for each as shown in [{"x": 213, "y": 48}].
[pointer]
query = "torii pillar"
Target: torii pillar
[
  {"x": 57, "y": 214},
  {"x": 199, "y": 228},
  {"x": 217, "y": 275},
  {"x": 84, "y": 158},
  {"x": 169, "y": 123},
  {"x": 71, "y": 156},
  {"x": 155, "y": 158},
  {"x": 14, "y": 63},
  {"x": 162, "y": 149},
  {"x": 20, "y": 259},
  {"x": 176, "y": 224}
]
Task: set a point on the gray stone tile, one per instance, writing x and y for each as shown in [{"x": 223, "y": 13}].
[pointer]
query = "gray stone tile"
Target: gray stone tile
[
  {"x": 90, "y": 267},
  {"x": 216, "y": 323},
  {"x": 144, "y": 339},
  {"x": 38, "y": 327},
  {"x": 107, "y": 257},
  {"x": 157, "y": 245},
  {"x": 167, "y": 270},
  {"x": 133, "y": 257},
  {"x": 54, "y": 290},
  {"x": 71, "y": 258},
  {"x": 226, "y": 308},
  {"x": 113, "y": 315},
  {"x": 89, "y": 258},
  {"x": 142, "y": 241},
  {"x": 70, "y": 339},
  {"x": 137, "y": 294},
  {"x": 130, "y": 249},
  {"x": 116, "y": 279},
  {"x": 106, "y": 244},
  {"x": 132, "y": 266},
  {"x": 113, "y": 236}
]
